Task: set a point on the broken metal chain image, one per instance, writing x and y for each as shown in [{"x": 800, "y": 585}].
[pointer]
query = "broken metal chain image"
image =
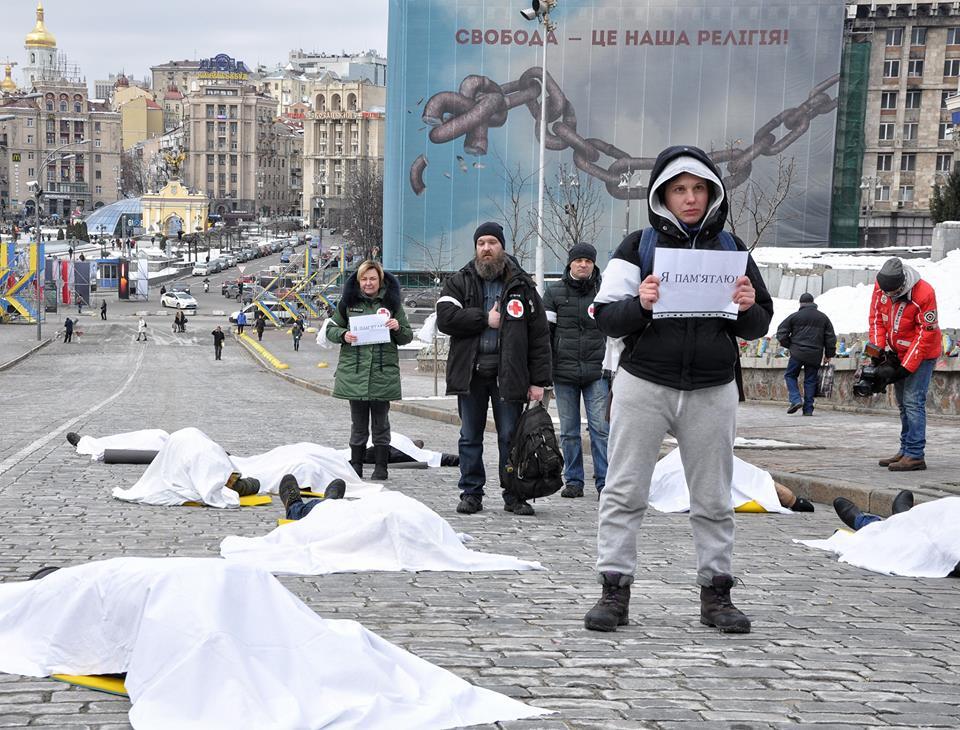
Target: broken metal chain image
[{"x": 481, "y": 103}]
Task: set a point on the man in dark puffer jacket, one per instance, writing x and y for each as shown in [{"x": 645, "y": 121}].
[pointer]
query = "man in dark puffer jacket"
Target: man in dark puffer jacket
[
  {"x": 578, "y": 348},
  {"x": 808, "y": 334}
]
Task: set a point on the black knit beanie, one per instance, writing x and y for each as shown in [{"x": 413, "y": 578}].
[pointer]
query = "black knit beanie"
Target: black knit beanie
[
  {"x": 582, "y": 251},
  {"x": 891, "y": 277},
  {"x": 489, "y": 229},
  {"x": 806, "y": 298}
]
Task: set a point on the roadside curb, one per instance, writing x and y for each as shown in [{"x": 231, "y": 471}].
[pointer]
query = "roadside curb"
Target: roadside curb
[
  {"x": 817, "y": 489},
  {"x": 20, "y": 358},
  {"x": 263, "y": 354}
]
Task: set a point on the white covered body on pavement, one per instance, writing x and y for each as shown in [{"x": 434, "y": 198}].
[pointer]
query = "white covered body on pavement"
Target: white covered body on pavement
[
  {"x": 387, "y": 531},
  {"x": 669, "y": 491},
  {"x": 151, "y": 439},
  {"x": 216, "y": 645},
  {"x": 192, "y": 467},
  {"x": 403, "y": 444},
  {"x": 923, "y": 542}
]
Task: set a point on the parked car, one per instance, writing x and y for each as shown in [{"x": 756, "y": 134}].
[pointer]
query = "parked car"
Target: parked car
[
  {"x": 273, "y": 305},
  {"x": 203, "y": 269},
  {"x": 215, "y": 265},
  {"x": 179, "y": 300},
  {"x": 180, "y": 286},
  {"x": 230, "y": 258},
  {"x": 285, "y": 255}
]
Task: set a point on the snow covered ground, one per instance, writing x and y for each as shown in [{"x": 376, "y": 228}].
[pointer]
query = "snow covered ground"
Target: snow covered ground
[{"x": 847, "y": 306}]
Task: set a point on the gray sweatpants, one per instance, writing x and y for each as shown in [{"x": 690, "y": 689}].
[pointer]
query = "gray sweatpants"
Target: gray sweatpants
[{"x": 704, "y": 423}]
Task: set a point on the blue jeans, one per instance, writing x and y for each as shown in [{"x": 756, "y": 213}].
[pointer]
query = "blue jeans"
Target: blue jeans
[
  {"x": 568, "y": 406},
  {"x": 809, "y": 383},
  {"x": 473, "y": 420},
  {"x": 300, "y": 509},
  {"x": 911, "y": 393},
  {"x": 863, "y": 519}
]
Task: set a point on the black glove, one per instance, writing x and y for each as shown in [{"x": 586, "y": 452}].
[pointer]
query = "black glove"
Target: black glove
[
  {"x": 888, "y": 374},
  {"x": 891, "y": 358}
]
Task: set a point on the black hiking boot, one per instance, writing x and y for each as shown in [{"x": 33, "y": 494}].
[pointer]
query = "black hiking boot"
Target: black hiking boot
[
  {"x": 449, "y": 460},
  {"x": 356, "y": 459},
  {"x": 470, "y": 504},
  {"x": 572, "y": 491},
  {"x": 245, "y": 486},
  {"x": 335, "y": 489},
  {"x": 73, "y": 438},
  {"x": 847, "y": 511},
  {"x": 290, "y": 491},
  {"x": 519, "y": 508},
  {"x": 718, "y": 611},
  {"x": 613, "y": 607},
  {"x": 802, "y": 504},
  {"x": 381, "y": 454},
  {"x": 902, "y": 502}
]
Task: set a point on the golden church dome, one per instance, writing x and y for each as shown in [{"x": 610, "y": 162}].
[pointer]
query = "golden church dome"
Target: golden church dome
[
  {"x": 8, "y": 84},
  {"x": 40, "y": 37}
]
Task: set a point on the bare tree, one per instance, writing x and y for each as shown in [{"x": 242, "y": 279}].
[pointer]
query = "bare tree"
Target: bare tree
[
  {"x": 573, "y": 209},
  {"x": 133, "y": 173},
  {"x": 518, "y": 223},
  {"x": 755, "y": 205},
  {"x": 363, "y": 201},
  {"x": 438, "y": 260}
]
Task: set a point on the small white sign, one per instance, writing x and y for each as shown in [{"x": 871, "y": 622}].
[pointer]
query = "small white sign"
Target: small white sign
[
  {"x": 697, "y": 283},
  {"x": 370, "y": 329}
]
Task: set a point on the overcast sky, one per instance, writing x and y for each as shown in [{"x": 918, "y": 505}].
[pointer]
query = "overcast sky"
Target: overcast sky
[{"x": 108, "y": 36}]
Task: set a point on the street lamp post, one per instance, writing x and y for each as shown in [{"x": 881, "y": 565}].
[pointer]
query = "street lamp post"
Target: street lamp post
[
  {"x": 866, "y": 197},
  {"x": 626, "y": 182},
  {"x": 540, "y": 11}
]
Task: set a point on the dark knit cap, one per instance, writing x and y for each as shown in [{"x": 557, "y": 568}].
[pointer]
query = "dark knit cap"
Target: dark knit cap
[
  {"x": 891, "y": 276},
  {"x": 582, "y": 251},
  {"x": 806, "y": 298},
  {"x": 490, "y": 229}
]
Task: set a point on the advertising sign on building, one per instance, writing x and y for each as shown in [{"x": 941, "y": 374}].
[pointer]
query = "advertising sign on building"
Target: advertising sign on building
[{"x": 753, "y": 82}]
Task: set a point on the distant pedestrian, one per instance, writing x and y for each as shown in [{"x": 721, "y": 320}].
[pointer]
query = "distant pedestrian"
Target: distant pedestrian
[
  {"x": 68, "y": 330},
  {"x": 142, "y": 329},
  {"x": 79, "y": 304},
  {"x": 218, "y": 338},
  {"x": 297, "y": 332},
  {"x": 241, "y": 322},
  {"x": 808, "y": 334},
  {"x": 163, "y": 290},
  {"x": 240, "y": 291},
  {"x": 71, "y": 252},
  {"x": 103, "y": 310},
  {"x": 259, "y": 326}
]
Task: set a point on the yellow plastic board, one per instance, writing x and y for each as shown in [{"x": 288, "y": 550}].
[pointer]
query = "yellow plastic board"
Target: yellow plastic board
[
  {"x": 110, "y": 683},
  {"x": 750, "y": 506},
  {"x": 251, "y": 500}
]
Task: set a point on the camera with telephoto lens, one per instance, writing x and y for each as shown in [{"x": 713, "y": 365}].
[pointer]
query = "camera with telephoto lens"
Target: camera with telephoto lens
[{"x": 867, "y": 380}]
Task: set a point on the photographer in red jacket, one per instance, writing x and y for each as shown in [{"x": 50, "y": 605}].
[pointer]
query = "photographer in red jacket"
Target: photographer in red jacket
[{"x": 903, "y": 323}]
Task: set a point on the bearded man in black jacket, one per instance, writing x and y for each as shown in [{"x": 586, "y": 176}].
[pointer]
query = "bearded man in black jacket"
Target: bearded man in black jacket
[
  {"x": 676, "y": 375},
  {"x": 499, "y": 352}
]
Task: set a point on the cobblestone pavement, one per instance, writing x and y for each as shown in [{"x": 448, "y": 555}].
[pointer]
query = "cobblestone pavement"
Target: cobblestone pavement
[{"x": 832, "y": 646}]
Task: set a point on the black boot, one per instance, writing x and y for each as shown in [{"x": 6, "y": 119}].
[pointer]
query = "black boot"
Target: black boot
[
  {"x": 614, "y": 605},
  {"x": 245, "y": 486},
  {"x": 718, "y": 611},
  {"x": 289, "y": 491},
  {"x": 73, "y": 438},
  {"x": 380, "y": 456},
  {"x": 847, "y": 511},
  {"x": 335, "y": 489},
  {"x": 801, "y": 504},
  {"x": 356, "y": 459},
  {"x": 449, "y": 460},
  {"x": 902, "y": 502}
]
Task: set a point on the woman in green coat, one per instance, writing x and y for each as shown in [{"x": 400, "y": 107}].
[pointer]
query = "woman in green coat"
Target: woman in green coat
[{"x": 369, "y": 375}]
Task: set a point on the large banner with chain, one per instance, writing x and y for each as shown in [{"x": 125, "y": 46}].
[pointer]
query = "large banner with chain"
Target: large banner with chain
[{"x": 753, "y": 82}]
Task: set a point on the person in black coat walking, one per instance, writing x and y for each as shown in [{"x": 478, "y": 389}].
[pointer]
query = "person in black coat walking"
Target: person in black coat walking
[
  {"x": 103, "y": 309},
  {"x": 808, "y": 334},
  {"x": 68, "y": 330},
  {"x": 218, "y": 338}
]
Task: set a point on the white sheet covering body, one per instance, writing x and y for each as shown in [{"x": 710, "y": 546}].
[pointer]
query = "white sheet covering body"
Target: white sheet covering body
[
  {"x": 151, "y": 439},
  {"x": 669, "y": 491},
  {"x": 387, "y": 531},
  {"x": 210, "y": 644},
  {"x": 923, "y": 542},
  {"x": 190, "y": 467},
  {"x": 313, "y": 465},
  {"x": 404, "y": 444}
]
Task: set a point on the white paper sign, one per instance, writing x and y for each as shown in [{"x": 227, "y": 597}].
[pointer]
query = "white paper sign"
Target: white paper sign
[
  {"x": 370, "y": 329},
  {"x": 697, "y": 283}
]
